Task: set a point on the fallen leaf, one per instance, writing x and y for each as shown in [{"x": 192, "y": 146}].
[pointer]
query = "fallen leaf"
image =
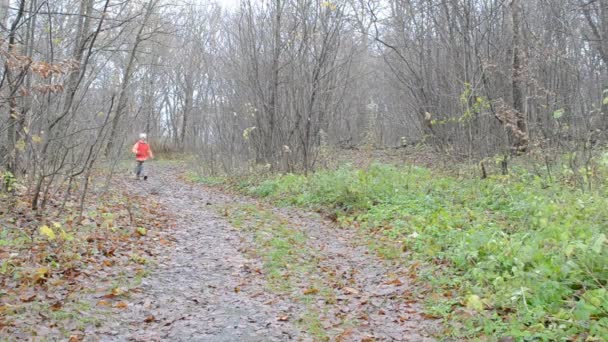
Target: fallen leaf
[
  {"x": 350, "y": 290},
  {"x": 26, "y": 298},
  {"x": 237, "y": 289},
  {"x": 109, "y": 252},
  {"x": 395, "y": 282},
  {"x": 42, "y": 274},
  {"x": 76, "y": 338},
  {"x": 117, "y": 291},
  {"x": 121, "y": 305},
  {"x": 103, "y": 303},
  {"x": 345, "y": 335},
  {"x": 283, "y": 318},
  {"x": 429, "y": 316},
  {"x": 474, "y": 302},
  {"x": 48, "y": 232},
  {"x": 311, "y": 291},
  {"x": 56, "y": 306},
  {"x": 149, "y": 319},
  {"x": 142, "y": 231}
]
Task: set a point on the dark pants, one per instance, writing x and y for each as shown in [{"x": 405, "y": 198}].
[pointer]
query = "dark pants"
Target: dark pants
[{"x": 139, "y": 169}]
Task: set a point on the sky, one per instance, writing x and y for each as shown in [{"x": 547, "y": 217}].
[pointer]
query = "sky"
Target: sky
[{"x": 227, "y": 4}]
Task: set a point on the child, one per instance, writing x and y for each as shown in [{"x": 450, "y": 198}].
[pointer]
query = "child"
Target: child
[{"x": 142, "y": 153}]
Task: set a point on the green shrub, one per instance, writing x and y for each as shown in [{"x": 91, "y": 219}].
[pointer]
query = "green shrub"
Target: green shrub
[{"x": 529, "y": 257}]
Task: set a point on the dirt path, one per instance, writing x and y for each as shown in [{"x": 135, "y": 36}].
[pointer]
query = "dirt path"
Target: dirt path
[
  {"x": 210, "y": 287},
  {"x": 191, "y": 295},
  {"x": 375, "y": 297}
]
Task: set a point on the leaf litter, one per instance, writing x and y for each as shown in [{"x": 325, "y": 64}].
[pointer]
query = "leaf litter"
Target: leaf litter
[
  {"x": 193, "y": 276},
  {"x": 56, "y": 266}
]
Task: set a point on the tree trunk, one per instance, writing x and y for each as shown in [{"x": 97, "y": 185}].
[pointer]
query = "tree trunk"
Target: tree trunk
[
  {"x": 273, "y": 106},
  {"x": 14, "y": 81},
  {"x": 604, "y": 55},
  {"x": 188, "y": 104},
  {"x": 520, "y": 132}
]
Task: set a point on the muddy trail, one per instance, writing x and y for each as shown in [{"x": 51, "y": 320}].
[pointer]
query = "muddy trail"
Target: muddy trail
[{"x": 223, "y": 278}]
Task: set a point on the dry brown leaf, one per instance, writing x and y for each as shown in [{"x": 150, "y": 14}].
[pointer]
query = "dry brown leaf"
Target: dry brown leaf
[
  {"x": 76, "y": 338},
  {"x": 395, "y": 282},
  {"x": 311, "y": 291},
  {"x": 149, "y": 319},
  {"x": 283, "y": 318},
  {"x": 26, "y": 298},
  {"x": 350, "y": 290},
  {"x": 429, "y": 316},
  {"x": 121, "y": 305},
  {"x": 56, "y": 306},
  {"x": 103, "y": 303},
  {"x": 345, "y": 335}
]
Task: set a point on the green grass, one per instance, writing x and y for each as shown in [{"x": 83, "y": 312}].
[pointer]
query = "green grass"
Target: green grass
[
  {"x": 286, "y": 259},
  {"x": 207, "y": 180},
  {"x": 519, "y": 256}
]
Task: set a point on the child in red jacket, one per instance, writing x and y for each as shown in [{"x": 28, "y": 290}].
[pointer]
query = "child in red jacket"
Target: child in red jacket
[{"x": 142, "y": 153}]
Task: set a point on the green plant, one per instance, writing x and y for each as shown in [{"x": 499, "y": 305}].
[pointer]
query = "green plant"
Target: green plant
[
  {"x": 8, "y": 180},
  {"x": 524, "y": 255}
]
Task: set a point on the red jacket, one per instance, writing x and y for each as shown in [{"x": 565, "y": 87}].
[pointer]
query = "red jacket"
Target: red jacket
[{"x": 142, "y": 151}]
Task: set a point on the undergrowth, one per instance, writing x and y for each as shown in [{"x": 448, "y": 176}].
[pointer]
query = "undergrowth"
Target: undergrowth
[
  {"x": 510, "y": 256},
  {"x": 54, "y": 264}
]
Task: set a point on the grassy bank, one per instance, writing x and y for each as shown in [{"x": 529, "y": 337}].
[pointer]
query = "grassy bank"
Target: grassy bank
[{"x": 513, "y": 256}]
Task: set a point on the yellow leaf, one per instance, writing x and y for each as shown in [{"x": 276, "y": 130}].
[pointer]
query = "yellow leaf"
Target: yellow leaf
[
  {"x": 36, "y": 139},
  {"x": 142, "y": 231},
  {"x": 66, "y": 236},
  {"x": 117, "y": 291},
  {"x": 330, "y": 5},
  {"x": 41, "y": 274},
  {"x": 20, "y": 145},
  {"x": 48, "y": 232},
  {"x": 56, "y": 224},
  {"x": 474, "y": 303}
]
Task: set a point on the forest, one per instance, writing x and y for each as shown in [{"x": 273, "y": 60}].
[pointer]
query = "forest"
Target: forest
[{"x": 376, "y": 170}]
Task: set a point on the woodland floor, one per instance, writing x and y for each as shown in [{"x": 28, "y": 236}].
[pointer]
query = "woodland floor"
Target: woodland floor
[
  {"x": 212, "y": 286},
  {"x": 236, "y": 269}
]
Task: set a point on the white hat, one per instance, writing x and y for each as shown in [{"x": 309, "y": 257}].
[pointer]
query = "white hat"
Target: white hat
[{"x": 143, "y": 135}]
